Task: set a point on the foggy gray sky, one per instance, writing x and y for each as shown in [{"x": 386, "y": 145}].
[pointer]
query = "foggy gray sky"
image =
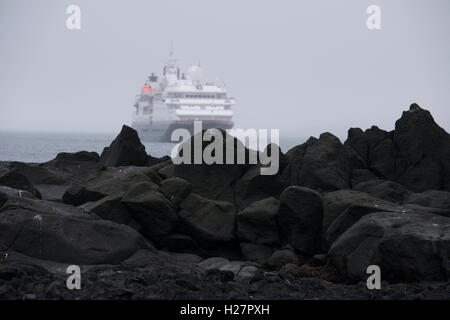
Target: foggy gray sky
[{"x": 304, "y": 67}]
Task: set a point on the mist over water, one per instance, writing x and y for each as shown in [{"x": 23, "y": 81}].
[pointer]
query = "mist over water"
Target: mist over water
[{"x": 41, "y": 147}]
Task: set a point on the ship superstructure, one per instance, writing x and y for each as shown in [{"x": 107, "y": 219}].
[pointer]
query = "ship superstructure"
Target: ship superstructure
[{"x": 179, "y": 99}]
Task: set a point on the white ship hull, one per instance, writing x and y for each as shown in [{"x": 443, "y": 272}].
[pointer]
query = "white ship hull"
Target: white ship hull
[
  {"x": 162, "y": 131},
  {"x": 177, "y": 101}
]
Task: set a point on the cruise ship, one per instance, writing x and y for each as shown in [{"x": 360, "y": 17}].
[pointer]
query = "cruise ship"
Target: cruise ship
[{"x": 178, "y": 99}]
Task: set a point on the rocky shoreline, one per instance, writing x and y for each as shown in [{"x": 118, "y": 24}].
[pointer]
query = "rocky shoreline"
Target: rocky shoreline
[{"x": 144, "y": 228}]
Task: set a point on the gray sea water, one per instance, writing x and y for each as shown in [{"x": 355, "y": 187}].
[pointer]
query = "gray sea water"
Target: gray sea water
[{"x": 42, "y": 147}]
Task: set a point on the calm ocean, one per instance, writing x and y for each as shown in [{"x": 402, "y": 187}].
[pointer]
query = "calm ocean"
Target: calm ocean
[{"x": 41, "y": 147}]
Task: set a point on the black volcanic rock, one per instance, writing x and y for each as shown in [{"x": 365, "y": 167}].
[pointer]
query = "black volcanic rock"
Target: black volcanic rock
[
  {"x": 384, "y": 189},
  {"x": 257, "y": 223},
  {"x": 300, "y": 219},
  {"x": 111, "y": 181},
  {"x": 407, "y": 247},
  {"x": 254, "y": 186},
  {"x": 214, "y": 181},
  {"x": 54, "y": 177},
  {"x": 336, "y": 202},
  {"x": 431, "y": 198},
  {"x": 375, "y": 150},
  {"x": 322, "y": 164},
  {"x": 14, "y": 179},
  {"x": 61, "y": 233},
  {"x": 423, "y": 151},
  {"x": 151, "y": 209},
  {"x": 416, "y": 154},
  {"x": 111, "y": 208},
  {"x": 208, "y": 221},
  {"x": 176, "y": 189},
  {"x": 125, "y": 150},
  {"x": 80, "y": 156}
]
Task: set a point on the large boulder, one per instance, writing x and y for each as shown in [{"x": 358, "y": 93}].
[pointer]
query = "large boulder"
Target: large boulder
[
  {"x": 125, "y": 150},
  {"x": 213, "y": 181},
  {"x": 257, "y": 223},
  {"x": 208, "y": 221},
  {"x": 54, "y": 177},
  {"x": 431, "y": 198},
  {"x": 407, "y": 247},
  {"x": 14, "y": 179},
  {"x": 176, "y": 189},
  {"x": 352, "y": 214},
  {"x": 254, "y": 186},
  {"x": 423, "y": 160},
  {"x": 384, "y": 189},
  {"x": 336, "y": 202},
  {"x": 151, "y": 209},
  {"x": 300, "y": 219},
  {"x": 50, "y": 231},
  {"x": 111, "y": 181},
  {"x": 111, "y": 208},
  {"x": 322, "y": 164}
]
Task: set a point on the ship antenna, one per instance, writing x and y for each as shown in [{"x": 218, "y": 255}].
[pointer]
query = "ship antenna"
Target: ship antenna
[{"x": 171, "y": 48}]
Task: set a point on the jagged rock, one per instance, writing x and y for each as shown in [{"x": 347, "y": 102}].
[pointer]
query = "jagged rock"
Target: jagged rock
[
  {"x": 407, "y": 247},
  {"x": 255, "y": 252},
  {"x": 176, "y": 189},
  {"x": 257, "y": 223},
  {"x": 431, "y": 198},
  {"x": 111, "y": 208},
  {"x": 14, "y": 179},
  {"x": 125, "y": 150},
  {"x": 213, "y": 181},
  {"x": 300, "y": 218},
  {"x": 322, "y": 164},
  {"x": 49, "y": 231},
  {"x": 423, "y": 160},
  {"x": 336, "y": 202},
  {"x": 383, "y": 189},
  {"x": 151, "y": 209},
  {"x": 375, "y": 148},
  {"x": 254, "y": 186},
  {"x": 282, "y": 257},
  {"x": 111, "y": 181},
  {"x": 208, "y": 221}
]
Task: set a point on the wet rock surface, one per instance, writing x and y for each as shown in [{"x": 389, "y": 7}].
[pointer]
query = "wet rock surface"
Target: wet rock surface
[{"x": 141, "y": 227}]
